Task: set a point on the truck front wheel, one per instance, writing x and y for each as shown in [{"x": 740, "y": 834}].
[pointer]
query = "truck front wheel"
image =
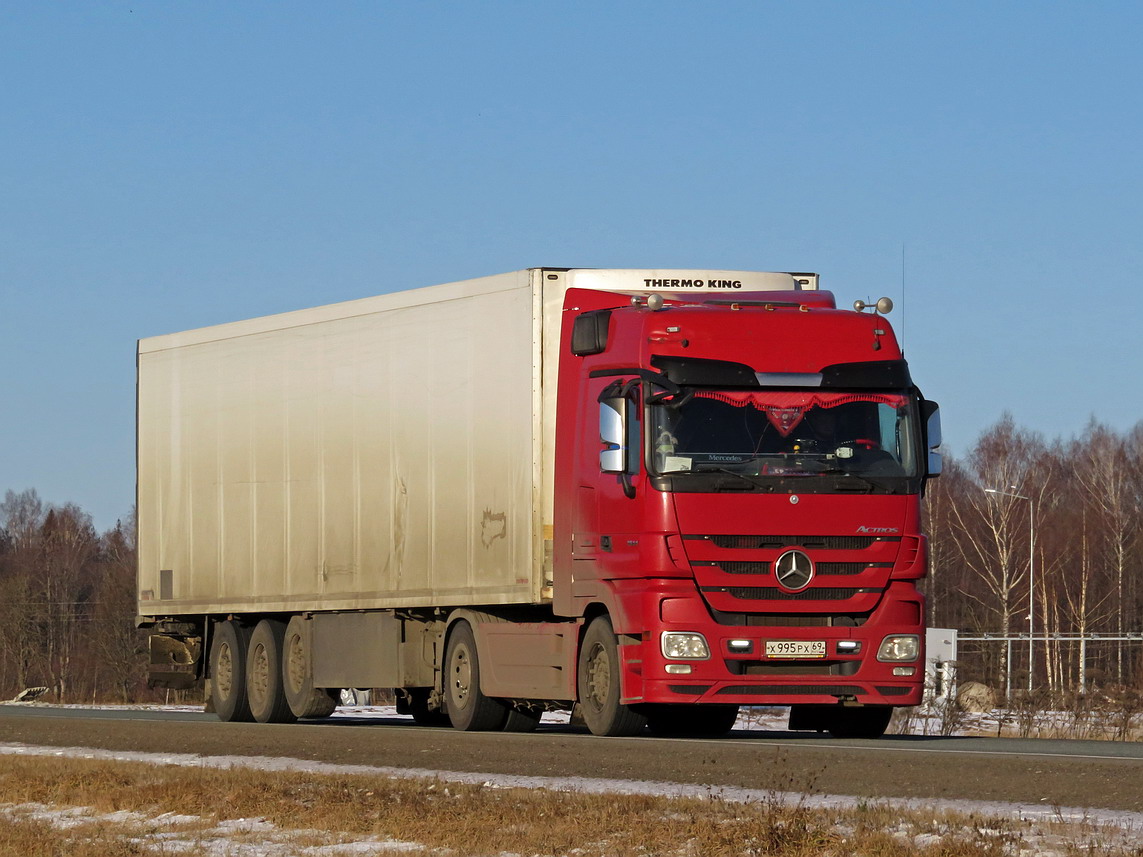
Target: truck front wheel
[
  {"x": 598, "y": 683},
  {"x": 264, "y": 685},
  {"x": 228, "y": 672},
  {"x": 468, "y": 708}
]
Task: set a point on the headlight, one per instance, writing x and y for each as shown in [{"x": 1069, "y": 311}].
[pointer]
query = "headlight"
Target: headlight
[
  {"x": 683, "y": 646},
  {"x": 903, "y": 647}
]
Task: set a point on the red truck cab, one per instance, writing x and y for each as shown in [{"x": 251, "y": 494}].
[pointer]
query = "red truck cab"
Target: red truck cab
[{"x": 739, "y": 479}]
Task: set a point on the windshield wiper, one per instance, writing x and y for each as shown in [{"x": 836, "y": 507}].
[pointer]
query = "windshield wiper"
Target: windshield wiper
[
  {"x": 745, "y": 477},
  {"x": 840, "y": 471}
]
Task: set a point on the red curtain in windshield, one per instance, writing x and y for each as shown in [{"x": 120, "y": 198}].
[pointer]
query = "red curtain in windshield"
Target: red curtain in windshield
[{"x": 785, "y": 409}]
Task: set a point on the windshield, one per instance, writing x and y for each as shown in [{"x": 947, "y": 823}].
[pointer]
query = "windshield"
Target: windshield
[{"x": 786, "y": 433}]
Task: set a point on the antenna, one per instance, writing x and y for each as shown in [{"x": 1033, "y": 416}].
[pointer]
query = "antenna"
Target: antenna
[{"x": 903, "y": 298}]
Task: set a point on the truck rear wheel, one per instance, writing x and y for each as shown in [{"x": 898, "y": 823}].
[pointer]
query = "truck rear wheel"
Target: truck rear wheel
[
  {"x": 304, "y": 699},
  {"x": 468, "y": 708},
  {"x": 698, "y": 721},
  {"x": 264, "y": 686},
  {"x": 598, "y": 683},
  {"x": 228, "y": 672}
]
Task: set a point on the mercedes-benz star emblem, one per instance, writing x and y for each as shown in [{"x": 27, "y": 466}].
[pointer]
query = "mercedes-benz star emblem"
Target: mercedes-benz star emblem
[{"x": 794, "y": 570}]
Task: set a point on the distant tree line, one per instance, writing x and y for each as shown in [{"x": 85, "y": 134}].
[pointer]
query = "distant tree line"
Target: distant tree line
[
  {"x": 67, "y": 604},
  {"x": 1082, "y": 501},
  {"x": 67, "y": 592}
]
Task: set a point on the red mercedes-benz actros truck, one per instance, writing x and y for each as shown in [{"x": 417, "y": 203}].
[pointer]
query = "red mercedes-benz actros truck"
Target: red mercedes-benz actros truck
[{"x": 654, "y": 495}]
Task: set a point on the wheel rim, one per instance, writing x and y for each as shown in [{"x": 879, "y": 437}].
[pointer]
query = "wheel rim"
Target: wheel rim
[
  {"x": 260, "y": 674},
  {"x": 295, "y": 663},
  {"x": 461, "y": 674},
  {"x": 598, "y": 677},
  {"x": 224, "y": 672}
]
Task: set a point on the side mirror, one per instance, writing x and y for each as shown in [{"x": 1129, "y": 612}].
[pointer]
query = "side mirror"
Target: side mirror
[
  {"x": 932, "y": 413},
  {"x": 613, "y": 434}
]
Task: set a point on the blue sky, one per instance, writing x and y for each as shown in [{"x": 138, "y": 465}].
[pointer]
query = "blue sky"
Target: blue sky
[{"x": 168, "y": 165}]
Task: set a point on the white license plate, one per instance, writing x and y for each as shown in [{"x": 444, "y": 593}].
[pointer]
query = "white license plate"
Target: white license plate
[{"x": 795, "y": 648}]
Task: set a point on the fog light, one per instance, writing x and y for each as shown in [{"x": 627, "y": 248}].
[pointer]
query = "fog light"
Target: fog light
[
  {"x": 901, "y": 647},
  {"x": 684, "y": 646},
  {"x": 848, "y": 647},
  {"x": 679, "y": 669},
  {"x": 740, "y": 645},
  {"x": 905, "y": 671}
]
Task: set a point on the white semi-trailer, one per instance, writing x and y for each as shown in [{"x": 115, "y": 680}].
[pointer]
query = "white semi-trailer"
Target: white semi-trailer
[{"x": 407, "y": 492}]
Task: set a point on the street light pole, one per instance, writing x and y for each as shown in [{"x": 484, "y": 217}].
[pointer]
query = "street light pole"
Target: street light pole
[{"x": 1031, "y": 568}]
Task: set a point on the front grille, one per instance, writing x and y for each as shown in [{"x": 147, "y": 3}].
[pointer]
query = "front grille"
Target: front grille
[
  {"x": 738, "y": 567},
  {"x": 762, "y": 593},
  {"x": 840, "y": 568},
  {"x": 894, "y": 691},
  {"x": 822, "y": 568},
  {"x": 839, "y": 543},
  {"x": 786, "y": 620},
  {"x": 771, "y": 668},
  {"x": 790, "y": 690}
]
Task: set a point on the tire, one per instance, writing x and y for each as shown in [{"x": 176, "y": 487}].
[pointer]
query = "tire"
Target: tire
[
  {"x": 693, "y": 721},
  {"x": 469, "y": 710},
  {"x": 228, "y": 672},
  {"x": 304, "y": 699},
  {"x": 868, "y": 722},
  {"x": 265, "y": 688},
  {"x": 598, "y": 684},
  {"x": 522, "y": 720}
]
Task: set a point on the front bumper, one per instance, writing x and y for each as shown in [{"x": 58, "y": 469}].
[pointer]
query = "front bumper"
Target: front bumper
[{"x": 742, "y": 669}]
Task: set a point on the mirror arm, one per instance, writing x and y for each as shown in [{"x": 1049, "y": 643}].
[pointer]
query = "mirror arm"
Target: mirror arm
[
  {"x": 656, "y": 378},
  {"x": 628, "y": 485}
]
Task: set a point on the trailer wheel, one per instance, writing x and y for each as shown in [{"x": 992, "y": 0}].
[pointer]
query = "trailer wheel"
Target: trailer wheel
[
  {"x": 870, "y": 721},
  {"x": 304, "y": 699},
  {"x": 696, "y": 721},
  {"x": 264, "y": 686},
  {"x": 468, "y": 708},
  {"x": 228, "y": 672},
  {"x": 598, "y": 683}
]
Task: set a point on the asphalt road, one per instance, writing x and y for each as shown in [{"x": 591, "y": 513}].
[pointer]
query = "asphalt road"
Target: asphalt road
[{"x": 1094, "y": 774}]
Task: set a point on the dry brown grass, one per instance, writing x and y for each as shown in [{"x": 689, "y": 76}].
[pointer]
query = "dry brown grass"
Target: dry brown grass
[{"x": 464, "y": 820}]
